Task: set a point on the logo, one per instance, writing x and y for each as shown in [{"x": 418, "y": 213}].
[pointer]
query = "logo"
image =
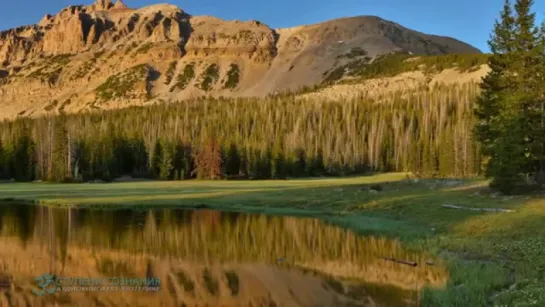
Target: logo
[
  {"x": 46, "y": 283},
  {"x": 50, "y": 284}
]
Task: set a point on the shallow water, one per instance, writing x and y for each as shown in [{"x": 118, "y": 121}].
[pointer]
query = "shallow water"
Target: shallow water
[{"x": 201, "y": 258}]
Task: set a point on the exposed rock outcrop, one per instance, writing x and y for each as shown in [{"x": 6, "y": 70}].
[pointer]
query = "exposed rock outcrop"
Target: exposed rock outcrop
[
  {"x": 103, "y": 5},
  {"x": 66, "y": 56},
  {"x": 119, "y": 5}
]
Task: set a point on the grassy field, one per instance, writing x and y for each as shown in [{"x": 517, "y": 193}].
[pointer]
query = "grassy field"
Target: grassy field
[{"x": 494, "y": 258}]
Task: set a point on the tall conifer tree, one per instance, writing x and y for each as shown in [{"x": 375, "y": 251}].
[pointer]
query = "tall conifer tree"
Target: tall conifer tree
[
  {"x": 2, "y": 161},
  {"x": 506, "y": 111},
  {"x": 60, "y": 166}
]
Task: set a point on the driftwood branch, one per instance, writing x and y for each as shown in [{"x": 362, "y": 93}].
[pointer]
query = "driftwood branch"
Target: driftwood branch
[
  {"x": 478, "y": 209},
  {"x": 411, "y": 263}
]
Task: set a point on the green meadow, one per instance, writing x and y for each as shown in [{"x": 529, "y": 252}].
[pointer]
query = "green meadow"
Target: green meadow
[{"x": 494, "y": 258}]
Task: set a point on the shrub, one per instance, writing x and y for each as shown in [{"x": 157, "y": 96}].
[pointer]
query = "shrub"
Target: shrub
[
  {"x": 170, "y": 72},
  {"x": 389, "y": 65},
  {"x": 52, "y": 105},
  {"x": 233, "y": 77},
  {"x": 209, "y": 77},
  {"x": 121, "y": 85},
  {"x": 185, "y": 77},
  {"x": 354, "y": 53},
  {"x": 144, "y": 48}
]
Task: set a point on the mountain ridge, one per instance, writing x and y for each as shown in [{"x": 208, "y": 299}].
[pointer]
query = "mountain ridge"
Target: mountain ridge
[
  {"x": 108, "y": 55},
  {"x": 475, "y": 49}
]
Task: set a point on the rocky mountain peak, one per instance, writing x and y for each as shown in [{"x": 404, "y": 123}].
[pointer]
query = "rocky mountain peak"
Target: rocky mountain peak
[
  {"x": 120, "y": 5},
  {"x": 103, "y": 5}
]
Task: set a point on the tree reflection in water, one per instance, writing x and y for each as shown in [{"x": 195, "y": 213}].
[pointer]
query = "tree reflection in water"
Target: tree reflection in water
[{"x": 207, "y": 257}]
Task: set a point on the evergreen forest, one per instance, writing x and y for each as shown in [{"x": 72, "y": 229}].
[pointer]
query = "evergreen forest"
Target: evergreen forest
[{"x": 428, "y": 131}]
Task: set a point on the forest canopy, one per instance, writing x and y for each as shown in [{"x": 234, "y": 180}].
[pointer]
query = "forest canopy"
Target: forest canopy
[{"x": 427, "y": 131}]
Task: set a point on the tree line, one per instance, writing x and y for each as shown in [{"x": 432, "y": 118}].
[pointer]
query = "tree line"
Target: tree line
[{"x": 427, "y": 131}]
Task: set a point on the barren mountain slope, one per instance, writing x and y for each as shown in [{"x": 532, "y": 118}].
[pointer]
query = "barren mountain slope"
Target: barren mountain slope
[
  {"x": 405, "y": 82},
  {"x": 107, "y": 55}
]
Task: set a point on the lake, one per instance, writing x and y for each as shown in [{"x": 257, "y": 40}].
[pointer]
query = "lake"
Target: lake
[{"x": 200, "y": 258}]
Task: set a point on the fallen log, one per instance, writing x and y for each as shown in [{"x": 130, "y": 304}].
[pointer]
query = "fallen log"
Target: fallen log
[
  {"x": 478, "y": 209},
  {"x": 410, "y": 263}
]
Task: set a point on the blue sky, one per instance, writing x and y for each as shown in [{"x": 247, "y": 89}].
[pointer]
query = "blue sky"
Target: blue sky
[{"x": 468, "y": 20}]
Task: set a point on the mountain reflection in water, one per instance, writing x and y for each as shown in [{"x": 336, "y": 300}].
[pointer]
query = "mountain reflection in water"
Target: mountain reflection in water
[{"x": 205, "y": 258}]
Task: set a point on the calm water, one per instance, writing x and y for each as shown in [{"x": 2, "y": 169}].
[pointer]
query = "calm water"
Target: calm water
[{"x": 203, "y": 258}]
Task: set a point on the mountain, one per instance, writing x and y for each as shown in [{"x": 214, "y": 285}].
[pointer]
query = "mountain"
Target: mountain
[{"x": 107, "y": 55}]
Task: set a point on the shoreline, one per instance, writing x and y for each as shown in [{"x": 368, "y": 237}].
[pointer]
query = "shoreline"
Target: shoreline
[{"x": 477, "y": 245}]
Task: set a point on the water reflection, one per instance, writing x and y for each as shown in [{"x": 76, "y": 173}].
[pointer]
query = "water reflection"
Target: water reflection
[{"x": 205, "y": 258}]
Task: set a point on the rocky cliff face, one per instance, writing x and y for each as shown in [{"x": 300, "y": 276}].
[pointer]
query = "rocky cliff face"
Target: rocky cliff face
[{"x": 107, "y": 55}]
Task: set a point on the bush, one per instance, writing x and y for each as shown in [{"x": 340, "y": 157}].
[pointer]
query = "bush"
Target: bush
[
  {"x": 233, "y": 76},
  {"x": 170, "y": 72},
  {"x": 209, "y": 77},
  {"x": 185, "y": 77},
  {"x": 144, "y": 48},
  {"x": 389, "y": 65},
  {"x": 121, "y": 85}
]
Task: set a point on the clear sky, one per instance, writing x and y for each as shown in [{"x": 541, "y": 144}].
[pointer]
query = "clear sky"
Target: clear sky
[{"x": 468, "y": 20}]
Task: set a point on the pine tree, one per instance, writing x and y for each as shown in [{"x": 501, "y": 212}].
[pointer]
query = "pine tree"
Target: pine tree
[
  {"x": 166, "y": 163},
  {"x": 140, "y": 157},
  {"x": 156, "y": 159},
  {"x": 264, "y": 168},
  {"x": 60, "y": 169},
  {"x": 277, "y": 160},
  {"x": 3, "y": 171},
  {"x": 178, "y": 160},
  {"x": 23, "y": 159},
  {"x": 488, "y": 106},
  {"x": 232, "y": 161},
  {"x": 318, "y": 164},
  {"x": 539, "y": 109},
  {"x": 526, "y": 73},
  {"x": 299, "y": 165},
  {"x": 506, "y": 109}
]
